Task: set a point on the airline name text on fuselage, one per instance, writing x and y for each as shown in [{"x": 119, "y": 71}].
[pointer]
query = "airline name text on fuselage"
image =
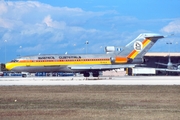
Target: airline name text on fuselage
[
  {"x": 49, "y": 57},
  {"x": 60, "y": 57}
]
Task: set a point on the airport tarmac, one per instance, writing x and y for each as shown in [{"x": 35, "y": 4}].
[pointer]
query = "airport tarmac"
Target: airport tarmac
[{"x": 123, "y": 80}]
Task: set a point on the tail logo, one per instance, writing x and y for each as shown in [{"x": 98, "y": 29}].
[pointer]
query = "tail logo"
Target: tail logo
[{"x": 138, "y": 46}]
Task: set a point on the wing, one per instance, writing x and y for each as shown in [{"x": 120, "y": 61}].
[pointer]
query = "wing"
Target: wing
[
  {"x": 99, "y": 67},
  {"x": 167, "y": 70},
  {"x": 176, "y": 64},
  {"x": 161, "y": 63}
]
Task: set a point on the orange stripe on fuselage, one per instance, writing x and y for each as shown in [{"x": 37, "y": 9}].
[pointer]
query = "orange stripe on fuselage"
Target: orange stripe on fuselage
[
  {"x": 66, "y": 60},
  {"x": 121, "y": 60}
]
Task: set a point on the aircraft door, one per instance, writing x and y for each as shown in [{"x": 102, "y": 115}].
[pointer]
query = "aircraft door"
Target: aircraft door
[{"x": 27, "y": 61}]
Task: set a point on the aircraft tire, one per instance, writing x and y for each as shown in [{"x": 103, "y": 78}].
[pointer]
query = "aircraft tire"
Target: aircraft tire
[
  {"x": 24, "y": 75},
  {"x": 96, "y": 74},
  {"x": 86, "y": 74}
]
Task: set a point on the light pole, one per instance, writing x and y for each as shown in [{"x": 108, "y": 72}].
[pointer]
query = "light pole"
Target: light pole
[
  {"x": 20, "y": 47},
  {"x": 87, "y": 42},
  {"x": 176, "y": 46},
  {"x": 101, "y": 47},
  {"x": 5, "y": 41},
  {"x": 169, "y": 43}
]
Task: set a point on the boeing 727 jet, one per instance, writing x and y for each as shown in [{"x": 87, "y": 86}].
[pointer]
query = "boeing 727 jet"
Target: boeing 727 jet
[{"x": 85, "y": 64}]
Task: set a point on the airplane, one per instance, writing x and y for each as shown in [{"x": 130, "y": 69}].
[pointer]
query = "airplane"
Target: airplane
[
  {"x": 171, "y": 67},
  {"x": 85, "y": 64}
]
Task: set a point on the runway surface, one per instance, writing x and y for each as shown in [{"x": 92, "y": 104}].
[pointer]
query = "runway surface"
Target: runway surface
[{"x": 124, "y": 80}]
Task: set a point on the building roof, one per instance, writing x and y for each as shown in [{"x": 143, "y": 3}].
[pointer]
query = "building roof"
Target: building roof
[{"x": 162, "y": 54}]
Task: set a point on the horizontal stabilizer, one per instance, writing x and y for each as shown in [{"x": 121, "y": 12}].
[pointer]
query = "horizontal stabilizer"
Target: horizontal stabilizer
[{"x": 167, "y": 70}]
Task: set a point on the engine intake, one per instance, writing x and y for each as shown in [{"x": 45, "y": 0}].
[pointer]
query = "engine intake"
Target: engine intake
[{"x": 110, "y": 49}]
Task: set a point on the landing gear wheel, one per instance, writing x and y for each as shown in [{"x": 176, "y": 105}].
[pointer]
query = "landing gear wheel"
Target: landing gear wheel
[
  {"x": 86, "y": 74},
  {"x": 24, "y": 75},
  {"x": 96, "y": 74}
]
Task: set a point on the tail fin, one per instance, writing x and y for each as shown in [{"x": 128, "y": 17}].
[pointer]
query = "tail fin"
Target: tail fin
[
  {"x": 169, "y": 59},
  {"x": 136, "y": 49}
]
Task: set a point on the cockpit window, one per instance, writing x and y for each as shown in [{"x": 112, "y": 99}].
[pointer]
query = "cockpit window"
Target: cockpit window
[{"x": 14, "y": 60}]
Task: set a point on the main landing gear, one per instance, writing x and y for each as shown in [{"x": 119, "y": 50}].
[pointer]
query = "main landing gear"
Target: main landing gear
[{"x": 94, "y": 74}]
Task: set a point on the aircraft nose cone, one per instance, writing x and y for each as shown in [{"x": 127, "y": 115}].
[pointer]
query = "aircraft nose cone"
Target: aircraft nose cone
[{"x": 7, "y": 66}]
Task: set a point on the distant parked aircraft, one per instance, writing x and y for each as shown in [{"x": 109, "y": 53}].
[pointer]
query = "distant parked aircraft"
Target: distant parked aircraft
[{"x": 171, "y": 67}]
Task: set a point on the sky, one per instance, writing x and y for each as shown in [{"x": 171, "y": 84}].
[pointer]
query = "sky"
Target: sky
[{"x": 64, "y": 26}]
